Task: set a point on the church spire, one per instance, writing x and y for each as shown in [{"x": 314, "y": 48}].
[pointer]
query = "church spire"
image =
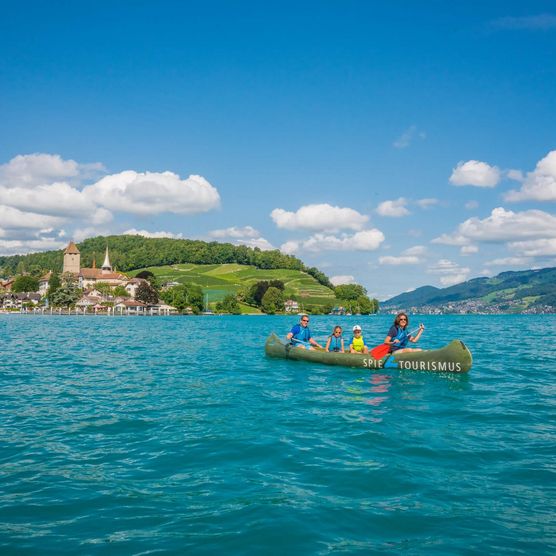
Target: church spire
[{"x": 106, "y": 266}]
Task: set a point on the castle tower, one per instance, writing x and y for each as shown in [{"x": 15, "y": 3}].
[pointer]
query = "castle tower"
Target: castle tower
[
  {"x": 106, "y": 266},
  {"x": 72, "y": 259}
]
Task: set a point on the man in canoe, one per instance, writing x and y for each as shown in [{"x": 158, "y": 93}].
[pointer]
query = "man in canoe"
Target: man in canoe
[{"x": 300, "y": 335}]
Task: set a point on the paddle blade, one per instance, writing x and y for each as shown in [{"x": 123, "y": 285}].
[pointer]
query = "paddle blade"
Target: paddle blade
[{"x": 380, "y": 351}]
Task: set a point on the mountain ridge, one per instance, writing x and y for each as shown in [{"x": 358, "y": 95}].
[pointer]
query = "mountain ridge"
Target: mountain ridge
[{"x": 510, "y": 291}]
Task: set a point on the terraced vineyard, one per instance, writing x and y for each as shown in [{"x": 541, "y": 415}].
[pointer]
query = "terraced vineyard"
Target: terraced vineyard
[{"x": 220, "y": 280}]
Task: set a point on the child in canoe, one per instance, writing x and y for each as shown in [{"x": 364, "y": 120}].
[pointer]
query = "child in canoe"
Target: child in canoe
[
  {"x": 335, "y": 341},
  {"x": 357, "y": 344}
]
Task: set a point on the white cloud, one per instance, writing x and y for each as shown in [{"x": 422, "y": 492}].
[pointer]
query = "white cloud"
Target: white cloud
[
  {"x": 290, "y": 247},
  {"x": 410, "y": 256},
  {"x": 401, "y": 260},
  {"x": 101, "y": 216},
  {"x": 235, "y": 232},
  {"x": 154, "y": 193},
  {"x": 395, "y": 208},
  {"x": 453, "y": 279},
  {"x": 407, "y": 137},
  {"x": 511, "y": 261},
  {"x": 469, "y": 250},
  {"x": 515, "y": 175},
  {"x": 319, "y": 217},
  {"x": 470, "y": 205},
  {"x": 454, "y": 239},
  {"x": 366, "y": 240},
  {"x": 540, "y": 184},
  {"x": 22, "y": 247},
  {"x": 545, "y": 247},
  {"x": 29, "y": 170},
  {"x": 450, "y": 272},
  {"x": 417, "y": 250},
  {"x": 260, "y": 242},
  {"x": 501, "y": 226},
  {"x": 146, "y": 233},
  {"x": 426, "y": 203},
  {"x": 342, "y": 279},
  {"x": 16, "y": 219},
  {"x": 247, "y": 235},
  {"x": 56, "y": 199},
  {"x": 506, "y": 225},
  {"x": 474, "y": 172}
]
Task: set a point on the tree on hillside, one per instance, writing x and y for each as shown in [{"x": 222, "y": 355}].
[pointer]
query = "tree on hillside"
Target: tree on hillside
[
  {"x": 150, "y": 278},
  {"x": 349, "y": 292},
  {"x": 54, "y": 283},
  {"x": 25, "y": 284},
  {"x": 146, "y": 293},
  {"x": 66, "y": 295},
  {"x": 145, "y": 275},
  {"x": 320, "y": 277},
  {"x": 183, "y": 296},
  {"x": 104, "y": 288},
  {"x": 229, "y": 305},
  {"x": 273, "y": 301},
  {"x": 257, "y": 290},
  {"x": 69, "y": 278},
  {"x": 120, "y": 291}
]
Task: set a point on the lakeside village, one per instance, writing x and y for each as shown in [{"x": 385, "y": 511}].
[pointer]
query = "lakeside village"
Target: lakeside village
[
  {"x": 83, "y": 291},
  {"x": 104, "y": 291}
]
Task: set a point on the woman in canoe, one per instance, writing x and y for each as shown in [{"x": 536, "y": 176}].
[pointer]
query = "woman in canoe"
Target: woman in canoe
[{"x": 398, "y": 336}]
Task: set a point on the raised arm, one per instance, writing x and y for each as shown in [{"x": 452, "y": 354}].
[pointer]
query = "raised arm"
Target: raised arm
[{"x": 418, "y": 335}]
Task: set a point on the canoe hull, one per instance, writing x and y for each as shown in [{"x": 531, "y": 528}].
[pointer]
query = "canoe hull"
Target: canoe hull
[{"x": 453, "y": 357}]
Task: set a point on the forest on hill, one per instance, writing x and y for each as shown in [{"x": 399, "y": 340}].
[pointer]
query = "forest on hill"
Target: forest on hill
[{"x": 131, "y": 252}]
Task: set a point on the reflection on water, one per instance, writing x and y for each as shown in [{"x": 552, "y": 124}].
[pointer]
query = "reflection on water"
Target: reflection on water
[{"x": 380, "y": 384}]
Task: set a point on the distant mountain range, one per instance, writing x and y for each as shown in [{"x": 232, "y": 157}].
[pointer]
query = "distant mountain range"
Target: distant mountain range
[{"x": 526, "y": 291}]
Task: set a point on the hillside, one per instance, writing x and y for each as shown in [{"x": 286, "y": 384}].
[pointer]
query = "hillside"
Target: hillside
[
  {"x": 131, "y": 252},
  {"x": 220, "y": 280},
  {"x": 519, "y": 291},
  {"x": 219, "y": 268}
]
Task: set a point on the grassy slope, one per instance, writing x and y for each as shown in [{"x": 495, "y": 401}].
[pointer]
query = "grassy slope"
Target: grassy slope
[{"x": 219, "y": 280}]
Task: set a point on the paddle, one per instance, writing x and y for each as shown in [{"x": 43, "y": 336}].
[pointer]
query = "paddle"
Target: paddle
[
  {"x": 382, "y": 350},
  {"x": 318, "y": 348}
]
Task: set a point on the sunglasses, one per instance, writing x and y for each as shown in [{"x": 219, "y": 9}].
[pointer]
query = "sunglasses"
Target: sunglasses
[
  {"x": 304, "y": 320},
  {"x": 403, "y": 319}
]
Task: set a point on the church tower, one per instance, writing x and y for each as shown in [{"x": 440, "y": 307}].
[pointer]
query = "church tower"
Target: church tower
[
  {"x": 72, "y": 259},
  {"x": 106, "y": 266}
]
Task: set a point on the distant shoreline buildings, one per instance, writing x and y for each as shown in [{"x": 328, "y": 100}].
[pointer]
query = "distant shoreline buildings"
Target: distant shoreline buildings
[
  {"x": 90, "y": 277},
  {"x": 88, "y": 280}
]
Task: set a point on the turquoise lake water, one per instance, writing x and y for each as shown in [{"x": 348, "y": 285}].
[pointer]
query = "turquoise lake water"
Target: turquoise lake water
[{"x": 175, "y": 435}]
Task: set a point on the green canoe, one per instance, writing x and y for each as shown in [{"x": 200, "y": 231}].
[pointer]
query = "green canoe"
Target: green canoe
[{"x": 454, "y": 357}]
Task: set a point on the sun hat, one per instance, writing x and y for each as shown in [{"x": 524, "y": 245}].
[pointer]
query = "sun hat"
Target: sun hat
[{"x": 356, "y": 327}]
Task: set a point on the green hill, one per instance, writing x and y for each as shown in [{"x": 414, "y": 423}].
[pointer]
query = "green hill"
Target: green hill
[
  {"x": 219, "y": 268},
  {"x": 519, "y": 291},
  {"x": 220, "y": 280},
  {"x": 131, "y": 252}
]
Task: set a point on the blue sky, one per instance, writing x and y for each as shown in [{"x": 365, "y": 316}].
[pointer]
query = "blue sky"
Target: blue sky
[{"x": 394, "y": 144}]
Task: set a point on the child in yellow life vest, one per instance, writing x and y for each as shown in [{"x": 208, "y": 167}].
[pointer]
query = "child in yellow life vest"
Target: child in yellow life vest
[{"x": 357, "y": 344}]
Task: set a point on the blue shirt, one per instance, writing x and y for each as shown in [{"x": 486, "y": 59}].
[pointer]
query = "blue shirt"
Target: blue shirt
[{"x": 301, "y": 333}]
